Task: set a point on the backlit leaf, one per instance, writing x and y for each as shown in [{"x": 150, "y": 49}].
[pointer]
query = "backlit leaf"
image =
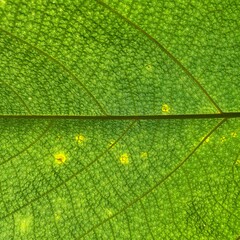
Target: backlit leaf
[{"x": 119, "y": 119}]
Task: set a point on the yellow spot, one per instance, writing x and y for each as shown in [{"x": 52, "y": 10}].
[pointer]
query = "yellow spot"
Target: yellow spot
[
  {"x": 223, "y": 139},
  {"x": 109, "y": 212},
  {"x": 124, "y": 159},
  {"x": 24, "y": 226},
  {"x": 238, "y": 162},
  {"x": 207, "y": 139},
  {"x": 80, "y": 138},
  {"x": 165, "y": 108},
  {"x": 144, "y": 154},
  {"x": 234, "y": 134},
  {"x": 23, "y": 223},
  {"x": 60, "y": 158},
  {"x": 57, "y": 215},
  {"x": 149, "y": 67}
]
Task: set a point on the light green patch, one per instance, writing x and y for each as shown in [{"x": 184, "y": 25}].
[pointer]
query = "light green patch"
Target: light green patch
[
  {"x": 60, "y": 204},
  {"x": 109, "y": 212},
  {"x": 144, "y": 155},
  {"x": 57, "y": 215},
  {"x": 2, "y": 3},
  {"x": 24, "y": 223}
]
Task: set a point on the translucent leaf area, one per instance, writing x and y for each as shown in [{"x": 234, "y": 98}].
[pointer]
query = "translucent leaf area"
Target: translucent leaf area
[{"x": 119, "y": 119}]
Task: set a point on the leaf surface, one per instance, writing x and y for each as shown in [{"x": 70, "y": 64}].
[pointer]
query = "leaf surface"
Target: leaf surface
[{"x": 119, "y": 119}]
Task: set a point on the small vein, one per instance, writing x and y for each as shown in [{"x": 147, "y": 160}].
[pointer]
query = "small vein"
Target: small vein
[
  {"x": 192, "y": 198},
  {"x": 74, "y": 174},
  {"x": 54, "y": 220},
  {"x": 173, "y": 215},
  {"x": 161, "y": 181},
  {"x": 18, "y": 96},
  {"x": 214, "y": 198},
  {"x": 146, "y": 218},
  {"x": 69, "y": 195},
  {"x": 56, "y": 61},
  {"x": 30, "y": 145},
  {"x": 164, "y": 49}
]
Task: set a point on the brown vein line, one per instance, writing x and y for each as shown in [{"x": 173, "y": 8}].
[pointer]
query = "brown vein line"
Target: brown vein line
[
  {"x": 173, "y": 215},
  {"x": 214, "y": 198},
  {"x": 74, "y": 175},
  {"x": 168, "y": 53},
  {"x": 192, "y": 197},
  {"x": 146, "y": 219},
  {"x": 223, "y": 207},
  {"x": 56, "y": 61},
  {"x": 18, "y": 96},
  {"x": 128, "y": 117},
  {"x": 179, "y": 165},
  {"x": 68, "y": 194},
  {"x": 30, "y": 145}
]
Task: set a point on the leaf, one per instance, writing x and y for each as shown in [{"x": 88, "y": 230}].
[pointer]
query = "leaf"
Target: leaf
[{"x": 119, "y": 119}]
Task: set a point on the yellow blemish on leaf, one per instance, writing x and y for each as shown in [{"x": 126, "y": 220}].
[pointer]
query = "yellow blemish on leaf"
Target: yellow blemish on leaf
[
  {"x": 238, "y": 162},
  {"x": 149, "y": 67},
  {"x": 60, "y": 158},
  {"x": 234, "y": 134},
  {"x": 80, "y": 138},
  {"x": 23, "y": 223},
  {"x": 207, "y": 139},
  {"x": 109, "y": 212},
  {"x": 165, "y": 108},
  {"x": 144, "y": 155},
  {"x": 57, "y": 215},
  {"x": 223, "y": 139},
  {"x": 124, "y": 159}
]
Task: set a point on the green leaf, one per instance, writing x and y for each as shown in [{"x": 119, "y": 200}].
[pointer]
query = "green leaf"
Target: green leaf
[{"x": 119, "y": 119}]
